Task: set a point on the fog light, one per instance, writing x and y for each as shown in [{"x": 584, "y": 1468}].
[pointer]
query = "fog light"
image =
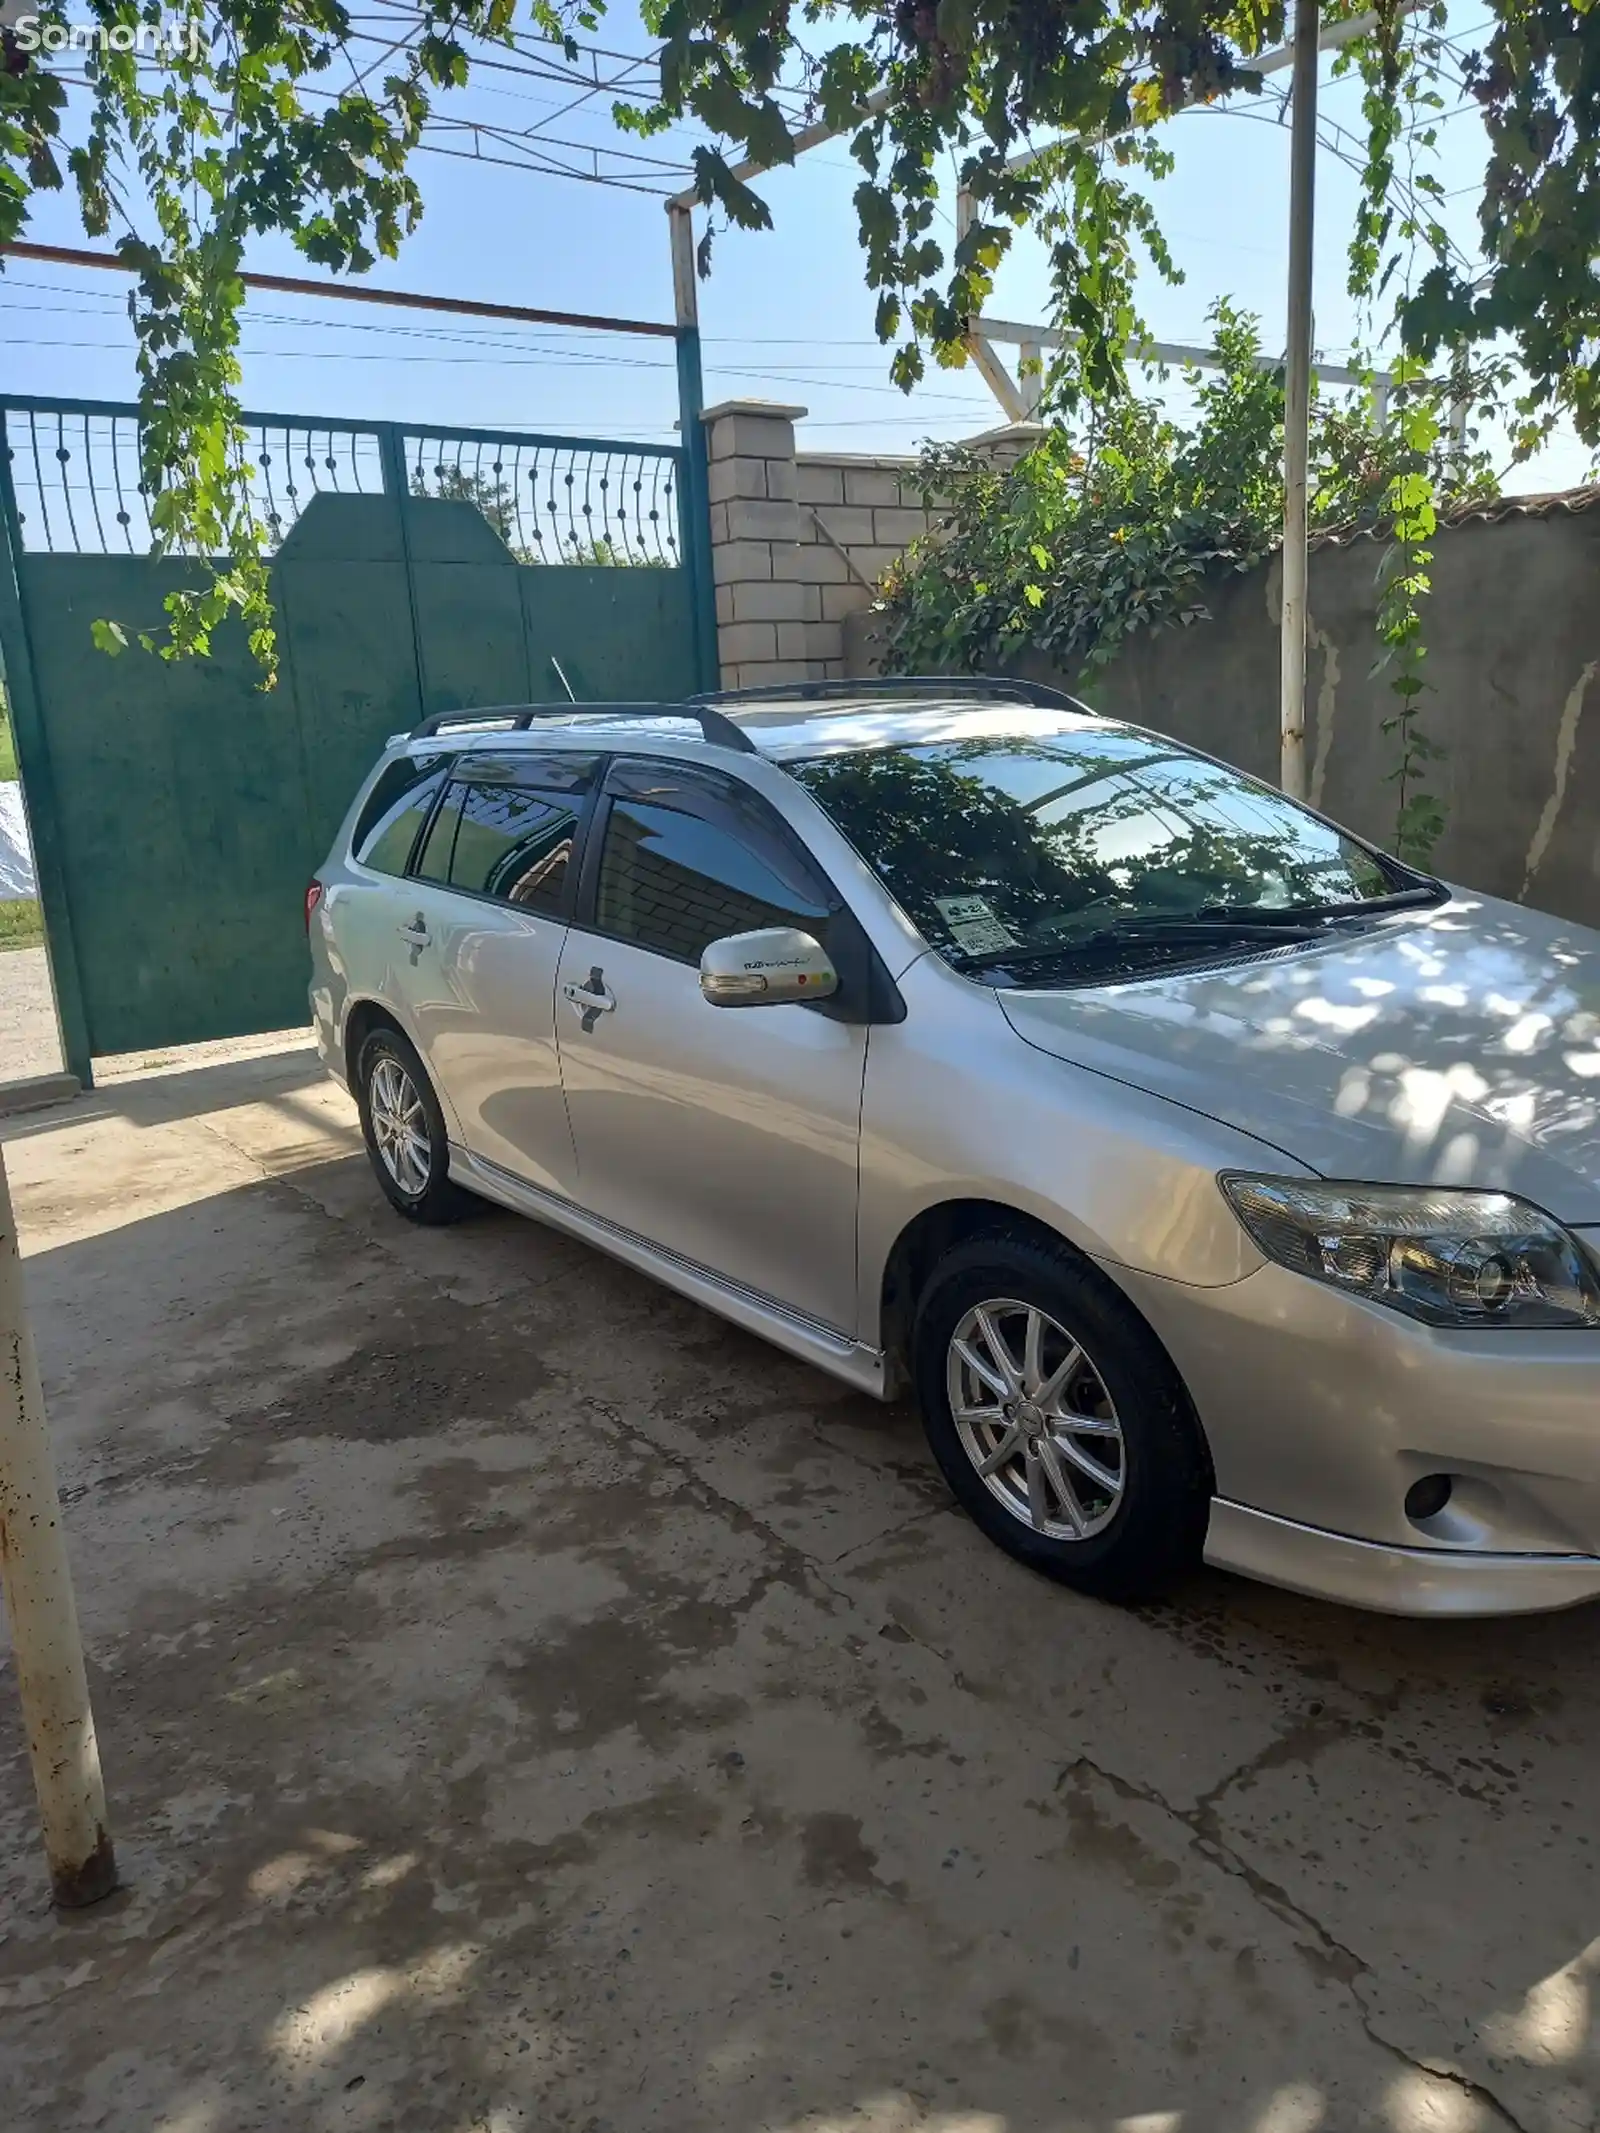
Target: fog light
[{"x": 1427, "y": 1498}]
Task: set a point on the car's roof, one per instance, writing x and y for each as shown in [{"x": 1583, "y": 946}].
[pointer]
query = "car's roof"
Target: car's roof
[
  {"x": 789, "y": 731},
  {"x": 783, "y": 727}
]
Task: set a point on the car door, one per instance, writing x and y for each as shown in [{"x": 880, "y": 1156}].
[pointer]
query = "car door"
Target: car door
[
  {"x": 728, "y": 1136},
  {"x": 485, "y": 915},
  {"x": 366, "y": 901}
]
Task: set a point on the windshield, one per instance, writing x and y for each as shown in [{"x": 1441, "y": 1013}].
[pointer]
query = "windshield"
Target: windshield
[{"x": 1003, "y": 851}]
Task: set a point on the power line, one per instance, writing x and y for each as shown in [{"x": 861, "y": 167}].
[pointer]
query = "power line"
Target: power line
[
  {"x": 511, "y": 352},
  {"x": 509, "y": 362},
  {"x": 470, "y": 335},
  {"x": 1412, "y": 200},
  {"x": 510, "y": 135},
  {"x": 532, "y": 167},
  {"x": 537, "y": 68},
  {"x": 531, "y": 161},
  {"x": 520, "y": 40}
]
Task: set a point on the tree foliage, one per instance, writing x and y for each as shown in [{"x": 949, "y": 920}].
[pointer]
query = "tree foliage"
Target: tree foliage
[
  {"x": 269, "y": 118},
  {"x": 1106, "y": 529},
  {"x": 973, "y": 84},
  {"x": 1113, "y": 527},
  {"x": 209, "y": 122}
]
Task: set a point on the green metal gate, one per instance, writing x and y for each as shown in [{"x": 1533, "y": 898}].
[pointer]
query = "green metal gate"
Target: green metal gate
[{"x": 176, "y": 810}]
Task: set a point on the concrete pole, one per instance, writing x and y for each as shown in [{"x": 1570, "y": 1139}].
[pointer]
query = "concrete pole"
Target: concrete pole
[
  {"x": 51, "y": 1683},
  {"x": 1297, "y": 397}
]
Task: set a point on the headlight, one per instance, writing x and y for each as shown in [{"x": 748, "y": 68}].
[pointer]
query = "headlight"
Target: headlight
[{"x": 1448, "y": 1258}]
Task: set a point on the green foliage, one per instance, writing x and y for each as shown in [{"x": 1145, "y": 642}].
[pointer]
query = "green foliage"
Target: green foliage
[
  {"x": 1536, "y": 82},
  {"x": 489, "y": 495},
  {"x": 249, "y": 126},
  {"x": 1399, "y": 221},
  {"x": 8, "y": 746},
  {"x": 1403, "y": 584},
  {"x": 1097, "y": 534},
  {"x": 21, "y": 925},
  {"x": 973, "y": 84},
  {"x": 226, "y": 137},
  {"x": 495, "y": 499},
  {"x": 602, "y": 553}
]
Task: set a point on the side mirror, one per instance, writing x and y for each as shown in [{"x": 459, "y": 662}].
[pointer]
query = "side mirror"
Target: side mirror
[{"x": 766, "y": 969}]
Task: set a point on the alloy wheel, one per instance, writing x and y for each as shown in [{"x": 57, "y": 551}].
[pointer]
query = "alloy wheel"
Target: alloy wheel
[
  {"x": 400, "y": 1127},
  {"x": 1035, "y": 1418}
]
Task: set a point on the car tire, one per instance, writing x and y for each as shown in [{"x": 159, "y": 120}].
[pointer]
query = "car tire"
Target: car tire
[
  {"x": 404, "y": 1130},
  {"x": 1128, "y": 1525}
]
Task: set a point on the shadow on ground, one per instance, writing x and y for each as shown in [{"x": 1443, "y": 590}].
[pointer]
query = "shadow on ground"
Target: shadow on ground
[{"x": 528, "y": 1702}]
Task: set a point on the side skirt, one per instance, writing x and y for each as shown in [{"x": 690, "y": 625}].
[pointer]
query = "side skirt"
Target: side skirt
[{"x": 807, "y": 1338}]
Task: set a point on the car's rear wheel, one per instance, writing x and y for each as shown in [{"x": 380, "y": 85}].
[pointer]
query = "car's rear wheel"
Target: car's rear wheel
[
  {"x": 404, "y": 1130},
  {"x": 1057, "y": 1420}
]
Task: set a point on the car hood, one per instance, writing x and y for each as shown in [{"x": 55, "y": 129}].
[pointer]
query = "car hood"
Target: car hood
[{"x": 1454, "y": 1046}]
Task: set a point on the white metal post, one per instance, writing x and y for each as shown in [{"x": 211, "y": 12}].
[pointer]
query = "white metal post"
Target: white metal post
[
  {"x": 51, "y": 1683},
  {"x": 1297, "y": 397}
]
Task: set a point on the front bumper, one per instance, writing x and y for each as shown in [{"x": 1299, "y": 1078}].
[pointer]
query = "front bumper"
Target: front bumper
[
  {"x": 1322, "y": 1411},
  {"x": 1394, "y": 1581}
]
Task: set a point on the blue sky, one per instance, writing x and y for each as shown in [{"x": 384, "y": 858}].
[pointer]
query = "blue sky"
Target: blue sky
[{"x": 786, "y": 315}]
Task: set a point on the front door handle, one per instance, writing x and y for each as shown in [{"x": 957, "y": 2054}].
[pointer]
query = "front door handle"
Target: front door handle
[{"x": 591, "y": 1000}]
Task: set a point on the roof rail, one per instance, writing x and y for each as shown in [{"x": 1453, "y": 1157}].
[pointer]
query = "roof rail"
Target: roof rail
[
  {"x": 519, "y": 718},
  {"x": 1003, "y": 685}
]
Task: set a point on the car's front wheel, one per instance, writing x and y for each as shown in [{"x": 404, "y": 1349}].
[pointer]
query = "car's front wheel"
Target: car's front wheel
[
  {"x": 404, "y": 1130},
  {"x": 1057, "y": 1420}
]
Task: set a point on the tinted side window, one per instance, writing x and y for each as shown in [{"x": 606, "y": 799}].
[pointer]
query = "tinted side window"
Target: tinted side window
[
  {"x": 514, "y": 843},
  {"x": 396, "y": 809},
  {"x": 675, "y": 880},
  {"x": 433, "y": 861}
]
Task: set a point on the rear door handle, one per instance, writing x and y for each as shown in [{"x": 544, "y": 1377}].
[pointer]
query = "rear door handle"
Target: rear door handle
[{"x": 590, "y": 1000}]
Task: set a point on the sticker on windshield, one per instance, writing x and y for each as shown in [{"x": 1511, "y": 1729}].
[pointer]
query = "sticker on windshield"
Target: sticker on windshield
[{"x": 973, "y": 925}]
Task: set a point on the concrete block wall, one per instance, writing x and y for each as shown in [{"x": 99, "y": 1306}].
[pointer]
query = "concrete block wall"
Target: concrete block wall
[
  {"x": 858, "y": 514},
  {"x": 799, "y": 539},
  {"x": 1512, "y": 628}
]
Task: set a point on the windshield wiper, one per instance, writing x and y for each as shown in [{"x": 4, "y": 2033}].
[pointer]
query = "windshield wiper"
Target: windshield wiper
[
  {"x": 1425, "y": 892},
  {"x": 1281, "y": 925},
  {"x": 1149, "y": 931},
  {"x": 1238, "y": 922}
]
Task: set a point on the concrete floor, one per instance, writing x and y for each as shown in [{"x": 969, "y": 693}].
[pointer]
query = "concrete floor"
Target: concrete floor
[
  {"x": 28, "y": 1041},
  {"x": 528, "y": 1703}
]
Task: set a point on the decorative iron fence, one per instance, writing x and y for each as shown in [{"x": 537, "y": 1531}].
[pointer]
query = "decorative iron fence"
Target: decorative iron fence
[
  {"x": 74, "y": 468},
  {"x": 553, "y": 501}
]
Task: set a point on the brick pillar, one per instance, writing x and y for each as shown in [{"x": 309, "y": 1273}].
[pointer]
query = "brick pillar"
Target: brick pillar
[{"x": 762, "y": 613}]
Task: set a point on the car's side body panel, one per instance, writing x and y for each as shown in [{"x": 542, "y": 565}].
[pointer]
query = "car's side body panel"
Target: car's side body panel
[
  {"x": 823, "y": 1347},
  {"x": 729, "y": 1137},
  {"x": 957, "y": 1108},
  {"x": 356, "y": 950},
  {"x": 480, "y": 1000}
]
